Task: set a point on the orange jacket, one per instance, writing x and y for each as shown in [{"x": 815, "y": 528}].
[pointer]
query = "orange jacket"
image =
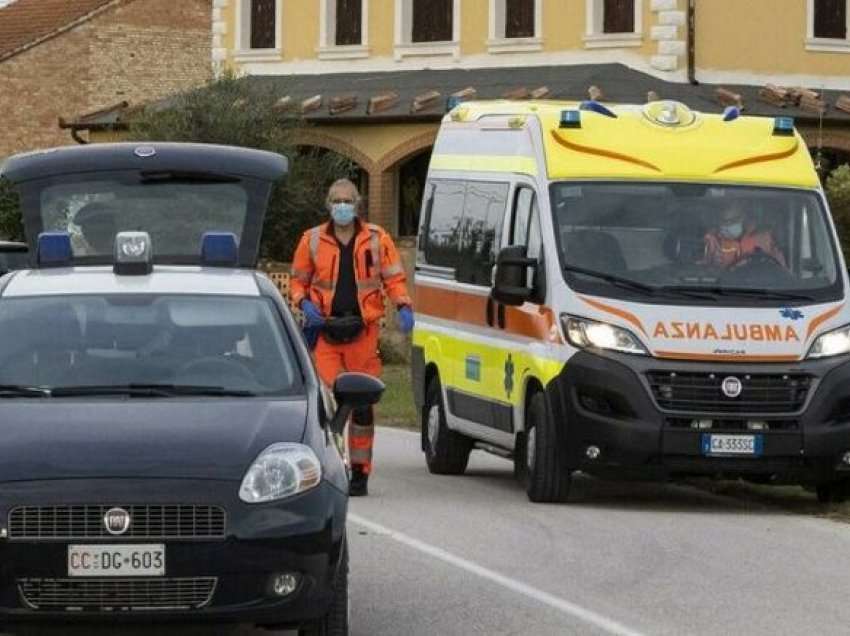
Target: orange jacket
[
  {"x": 377, "y": 270},
  {"x": 727, "y": 252}
]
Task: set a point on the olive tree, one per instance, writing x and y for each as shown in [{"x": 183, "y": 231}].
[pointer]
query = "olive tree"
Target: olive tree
[{"x": 838, "y": 193}]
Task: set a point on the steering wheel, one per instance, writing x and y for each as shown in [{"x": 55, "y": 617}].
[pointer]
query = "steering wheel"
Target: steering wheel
[
  {"x": 758, "y": 257},
  {"x": 758, "y": 269},
  {"x": 215, "y": 366}
]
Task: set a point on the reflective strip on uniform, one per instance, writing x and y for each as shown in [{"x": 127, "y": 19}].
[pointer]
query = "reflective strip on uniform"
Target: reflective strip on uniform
[
  {"x": 375, "y": 246},
  {"x": 392, "y": 270},
  {"x": 369, "y": 283},
  {"x": 302, "y": 276},
  {"x": 314, "y": 243},
  {"x": 360, "y": 443},
  {"x": 324, "y": 284}
]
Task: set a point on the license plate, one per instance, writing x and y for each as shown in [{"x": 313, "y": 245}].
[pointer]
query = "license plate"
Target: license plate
[
  {"x": 731, "y": 444},
  {"x": 116, "y": 560}
]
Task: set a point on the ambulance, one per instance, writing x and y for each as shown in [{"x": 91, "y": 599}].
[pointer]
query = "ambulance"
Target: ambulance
[{"x": 635, "y": 291}]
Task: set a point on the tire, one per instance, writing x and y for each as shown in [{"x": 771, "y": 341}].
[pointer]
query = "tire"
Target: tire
[
  {"x": 446, "y": 451},
  {"x": 833, "y": 492},
  {"x": 547, "y": 479},
  {"x": 335, "y": 622}
]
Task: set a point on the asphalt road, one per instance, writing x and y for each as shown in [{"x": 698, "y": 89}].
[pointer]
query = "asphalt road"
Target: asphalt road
[{"x": 470, "y": 555}]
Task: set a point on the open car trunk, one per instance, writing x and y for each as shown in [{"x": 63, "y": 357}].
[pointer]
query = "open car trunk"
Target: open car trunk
[{"x": 175, "y": 192}]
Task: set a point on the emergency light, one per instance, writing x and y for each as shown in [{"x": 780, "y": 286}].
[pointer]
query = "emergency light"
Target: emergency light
[
  {"x": 783, "y": 126},
  {"x": 54, "y": 249},
  {"x": 133, "y": 254},
  {"x": 570, "y": 119},
  {"x": 731, "y": 113},
  {"x": 594, "y": 106},
  {"x": 219, "y": 249},
  {"x": 453, "y": 101}
]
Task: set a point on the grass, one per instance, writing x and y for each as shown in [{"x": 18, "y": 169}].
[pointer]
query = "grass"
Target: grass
[{"x": 396, "y": 407}]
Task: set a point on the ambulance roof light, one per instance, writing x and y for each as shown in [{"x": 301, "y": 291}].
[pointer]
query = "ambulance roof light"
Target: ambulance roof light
[
  {"x": 783, "y": 126},
  {"x": 570, "y": 119},
  {"x": 731, "y": 113},
  {"x": 452, "y": 101},
  {"x": 54, "y": 249},
  {"x": 219, "y": 249},
  {"x": 133, "y": 254},
  {"x": 596, "y": 107}
]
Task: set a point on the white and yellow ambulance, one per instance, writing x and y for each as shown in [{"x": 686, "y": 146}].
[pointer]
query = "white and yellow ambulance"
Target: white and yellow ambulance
[{"x": 633, "y": 291}]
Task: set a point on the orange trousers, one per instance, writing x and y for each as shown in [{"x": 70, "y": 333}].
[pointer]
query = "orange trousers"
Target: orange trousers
[{"x": 360, "y": 355}]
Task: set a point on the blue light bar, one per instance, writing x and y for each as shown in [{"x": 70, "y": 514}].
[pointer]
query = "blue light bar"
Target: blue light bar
[
  {"x": 783, "y": 126},
  {"x": 54, "y": 249},
  {"x": 596, "y": 107},
  {"x": 731, "y": 113},
  {"x": 219, "y": 249},
  {"x": 453, "y": 101},
  {"x": 570, "y": 119}
]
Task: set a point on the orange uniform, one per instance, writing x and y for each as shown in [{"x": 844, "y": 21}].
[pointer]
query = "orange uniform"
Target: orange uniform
[
  {"x": 726, "y": 252},
  {"x": 377, "y": 271}
]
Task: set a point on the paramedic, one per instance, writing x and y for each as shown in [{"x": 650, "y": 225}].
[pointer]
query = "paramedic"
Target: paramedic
[
  {"x": 340, "y": 273},
  {"x": 736, "y": 239}
]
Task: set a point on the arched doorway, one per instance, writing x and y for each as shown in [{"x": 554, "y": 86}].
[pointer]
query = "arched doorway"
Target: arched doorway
[{"x": 412, "y": 174}]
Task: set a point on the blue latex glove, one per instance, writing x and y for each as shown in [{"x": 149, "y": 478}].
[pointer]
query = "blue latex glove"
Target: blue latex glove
[
  {"x": 312, "y": 316},
  {"x": 405, "y": 319}
]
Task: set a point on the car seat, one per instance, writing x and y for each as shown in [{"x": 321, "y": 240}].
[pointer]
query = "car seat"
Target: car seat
[{"x": 595, "y": 250}]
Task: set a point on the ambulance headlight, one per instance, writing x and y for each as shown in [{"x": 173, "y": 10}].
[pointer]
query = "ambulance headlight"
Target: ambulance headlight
[
  {"x": 282, "y": 470},
  {"x": 832, "y": 343},
  {"x": 584, "y": 333}
]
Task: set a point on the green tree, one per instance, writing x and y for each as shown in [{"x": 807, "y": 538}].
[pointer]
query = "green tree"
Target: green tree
[
  {"x": 243, "y": 112},
  {"x": 11, "y": 227},
  {"x": 838, "y": 193}
]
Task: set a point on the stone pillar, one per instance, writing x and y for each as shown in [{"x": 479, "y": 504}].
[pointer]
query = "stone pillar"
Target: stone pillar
[{"x": 670, "y": 32}]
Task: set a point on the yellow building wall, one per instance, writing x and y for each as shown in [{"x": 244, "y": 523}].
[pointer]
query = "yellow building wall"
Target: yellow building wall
[
  {"x": 381, "y": 27},
  {"x": 300, "y": 29},
  {"x": 563, "y": 25},
  {"x": 474, "y": 26},
  {"x": 757, "y": 36}
]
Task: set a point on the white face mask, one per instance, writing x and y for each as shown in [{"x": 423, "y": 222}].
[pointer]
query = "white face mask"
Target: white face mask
[{"x": 732, "y": 230}]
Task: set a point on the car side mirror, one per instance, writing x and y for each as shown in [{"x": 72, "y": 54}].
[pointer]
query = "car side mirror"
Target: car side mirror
[
  {"x": 351, "y": 391},
  {"x": 511, "y": 278}
]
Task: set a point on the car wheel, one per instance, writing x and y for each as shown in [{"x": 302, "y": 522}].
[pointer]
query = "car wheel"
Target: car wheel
[
  {"x": 547, "y": 479},
  {"x": 335, "y": 622},
  {"x": 446, "y": 451},
  {"x": 833, "y": 492}
]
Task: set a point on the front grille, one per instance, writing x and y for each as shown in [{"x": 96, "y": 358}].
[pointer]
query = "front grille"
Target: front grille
[
  {"x": 701, "y": 392},
  {"x": 117, "y": 594},
  {"x": 168, "y": 521},
  {"x": 729, "y": 424}
]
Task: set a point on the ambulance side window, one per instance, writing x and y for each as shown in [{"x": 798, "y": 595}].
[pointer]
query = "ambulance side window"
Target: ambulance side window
[
  {"x": 525, "y": 230},
  {"x": 483, "y": 215},
  {"x": 442, "y": 242}
]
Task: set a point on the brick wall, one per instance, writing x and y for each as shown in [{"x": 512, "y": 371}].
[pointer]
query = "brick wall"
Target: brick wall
[{"x": 138, "y": 50}]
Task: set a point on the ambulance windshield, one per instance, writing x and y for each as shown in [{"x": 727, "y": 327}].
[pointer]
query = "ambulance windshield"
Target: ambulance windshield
[{"x": 697, "y": 243}]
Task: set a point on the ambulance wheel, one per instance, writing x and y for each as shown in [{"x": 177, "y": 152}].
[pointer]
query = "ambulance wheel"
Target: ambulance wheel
[
  {"x": 547, "y": 480},
  {"x": 446, "y": 451}
]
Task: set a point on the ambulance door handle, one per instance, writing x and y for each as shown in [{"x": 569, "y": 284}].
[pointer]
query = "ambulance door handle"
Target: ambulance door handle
[{"x": 489, "y": 311}]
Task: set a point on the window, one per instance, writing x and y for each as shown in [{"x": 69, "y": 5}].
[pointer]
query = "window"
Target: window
[
  {"x": 515, "y": 26},
  {"x": 259, "y": 27},
  {"x": 432, "y": 20},
  {"x": 613, "y": 23},
  {"x": 349, "y": 22},
  {"x": 828, "y": 26},
  {"x": 343, "y": 29},
  {"x": 525, "y": 229},
  {"x": 427, "y": 27},
  {"x": 441, "y": 226},
  {"x": 483, "y": 213}
]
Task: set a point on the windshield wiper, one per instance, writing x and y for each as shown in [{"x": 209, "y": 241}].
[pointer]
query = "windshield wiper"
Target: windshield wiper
[
  {"x": 21, "y": 390},
  {"x": 628, "y": 283},
  {"x": 766, "y": 294},
  {"x": 149, "y": 390}
]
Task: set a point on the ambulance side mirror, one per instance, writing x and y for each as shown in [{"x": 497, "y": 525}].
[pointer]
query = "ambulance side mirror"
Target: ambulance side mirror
[
  {"x": 351, "y": 391},
  {"x": 511, "y": 279}
]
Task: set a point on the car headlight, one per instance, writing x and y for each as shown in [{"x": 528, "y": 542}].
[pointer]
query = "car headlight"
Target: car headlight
[
  {"x": 282, "y": 470},
  {"x": 832, "y": 343},
  {"x": 584, "y": 333}
]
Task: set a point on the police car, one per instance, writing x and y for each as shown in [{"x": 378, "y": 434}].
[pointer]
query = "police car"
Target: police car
[{"x": 168, "y": 451}]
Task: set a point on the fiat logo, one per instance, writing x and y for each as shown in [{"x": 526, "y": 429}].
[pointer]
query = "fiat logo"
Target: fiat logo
[
  {"x": 731, "y": 387},
  {"x": 116, "y": 521}
]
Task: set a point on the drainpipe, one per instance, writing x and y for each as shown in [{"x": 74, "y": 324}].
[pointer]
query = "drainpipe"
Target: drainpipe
[{"x": 692, "y": 29}]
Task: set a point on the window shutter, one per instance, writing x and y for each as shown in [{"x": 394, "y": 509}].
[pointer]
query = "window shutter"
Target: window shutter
[
  {"x": 432, "y": 20},
  {"x": 349, "y": 22},
  {"x": 519, "y": 18},
  {"x": 831, "y": 19},
  {"x": 619, "y": 16},
  {"x": 263, "y": 24}
]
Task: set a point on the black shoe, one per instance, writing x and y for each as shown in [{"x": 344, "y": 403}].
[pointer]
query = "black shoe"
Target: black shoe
[{"x": 359, "y": 486}]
